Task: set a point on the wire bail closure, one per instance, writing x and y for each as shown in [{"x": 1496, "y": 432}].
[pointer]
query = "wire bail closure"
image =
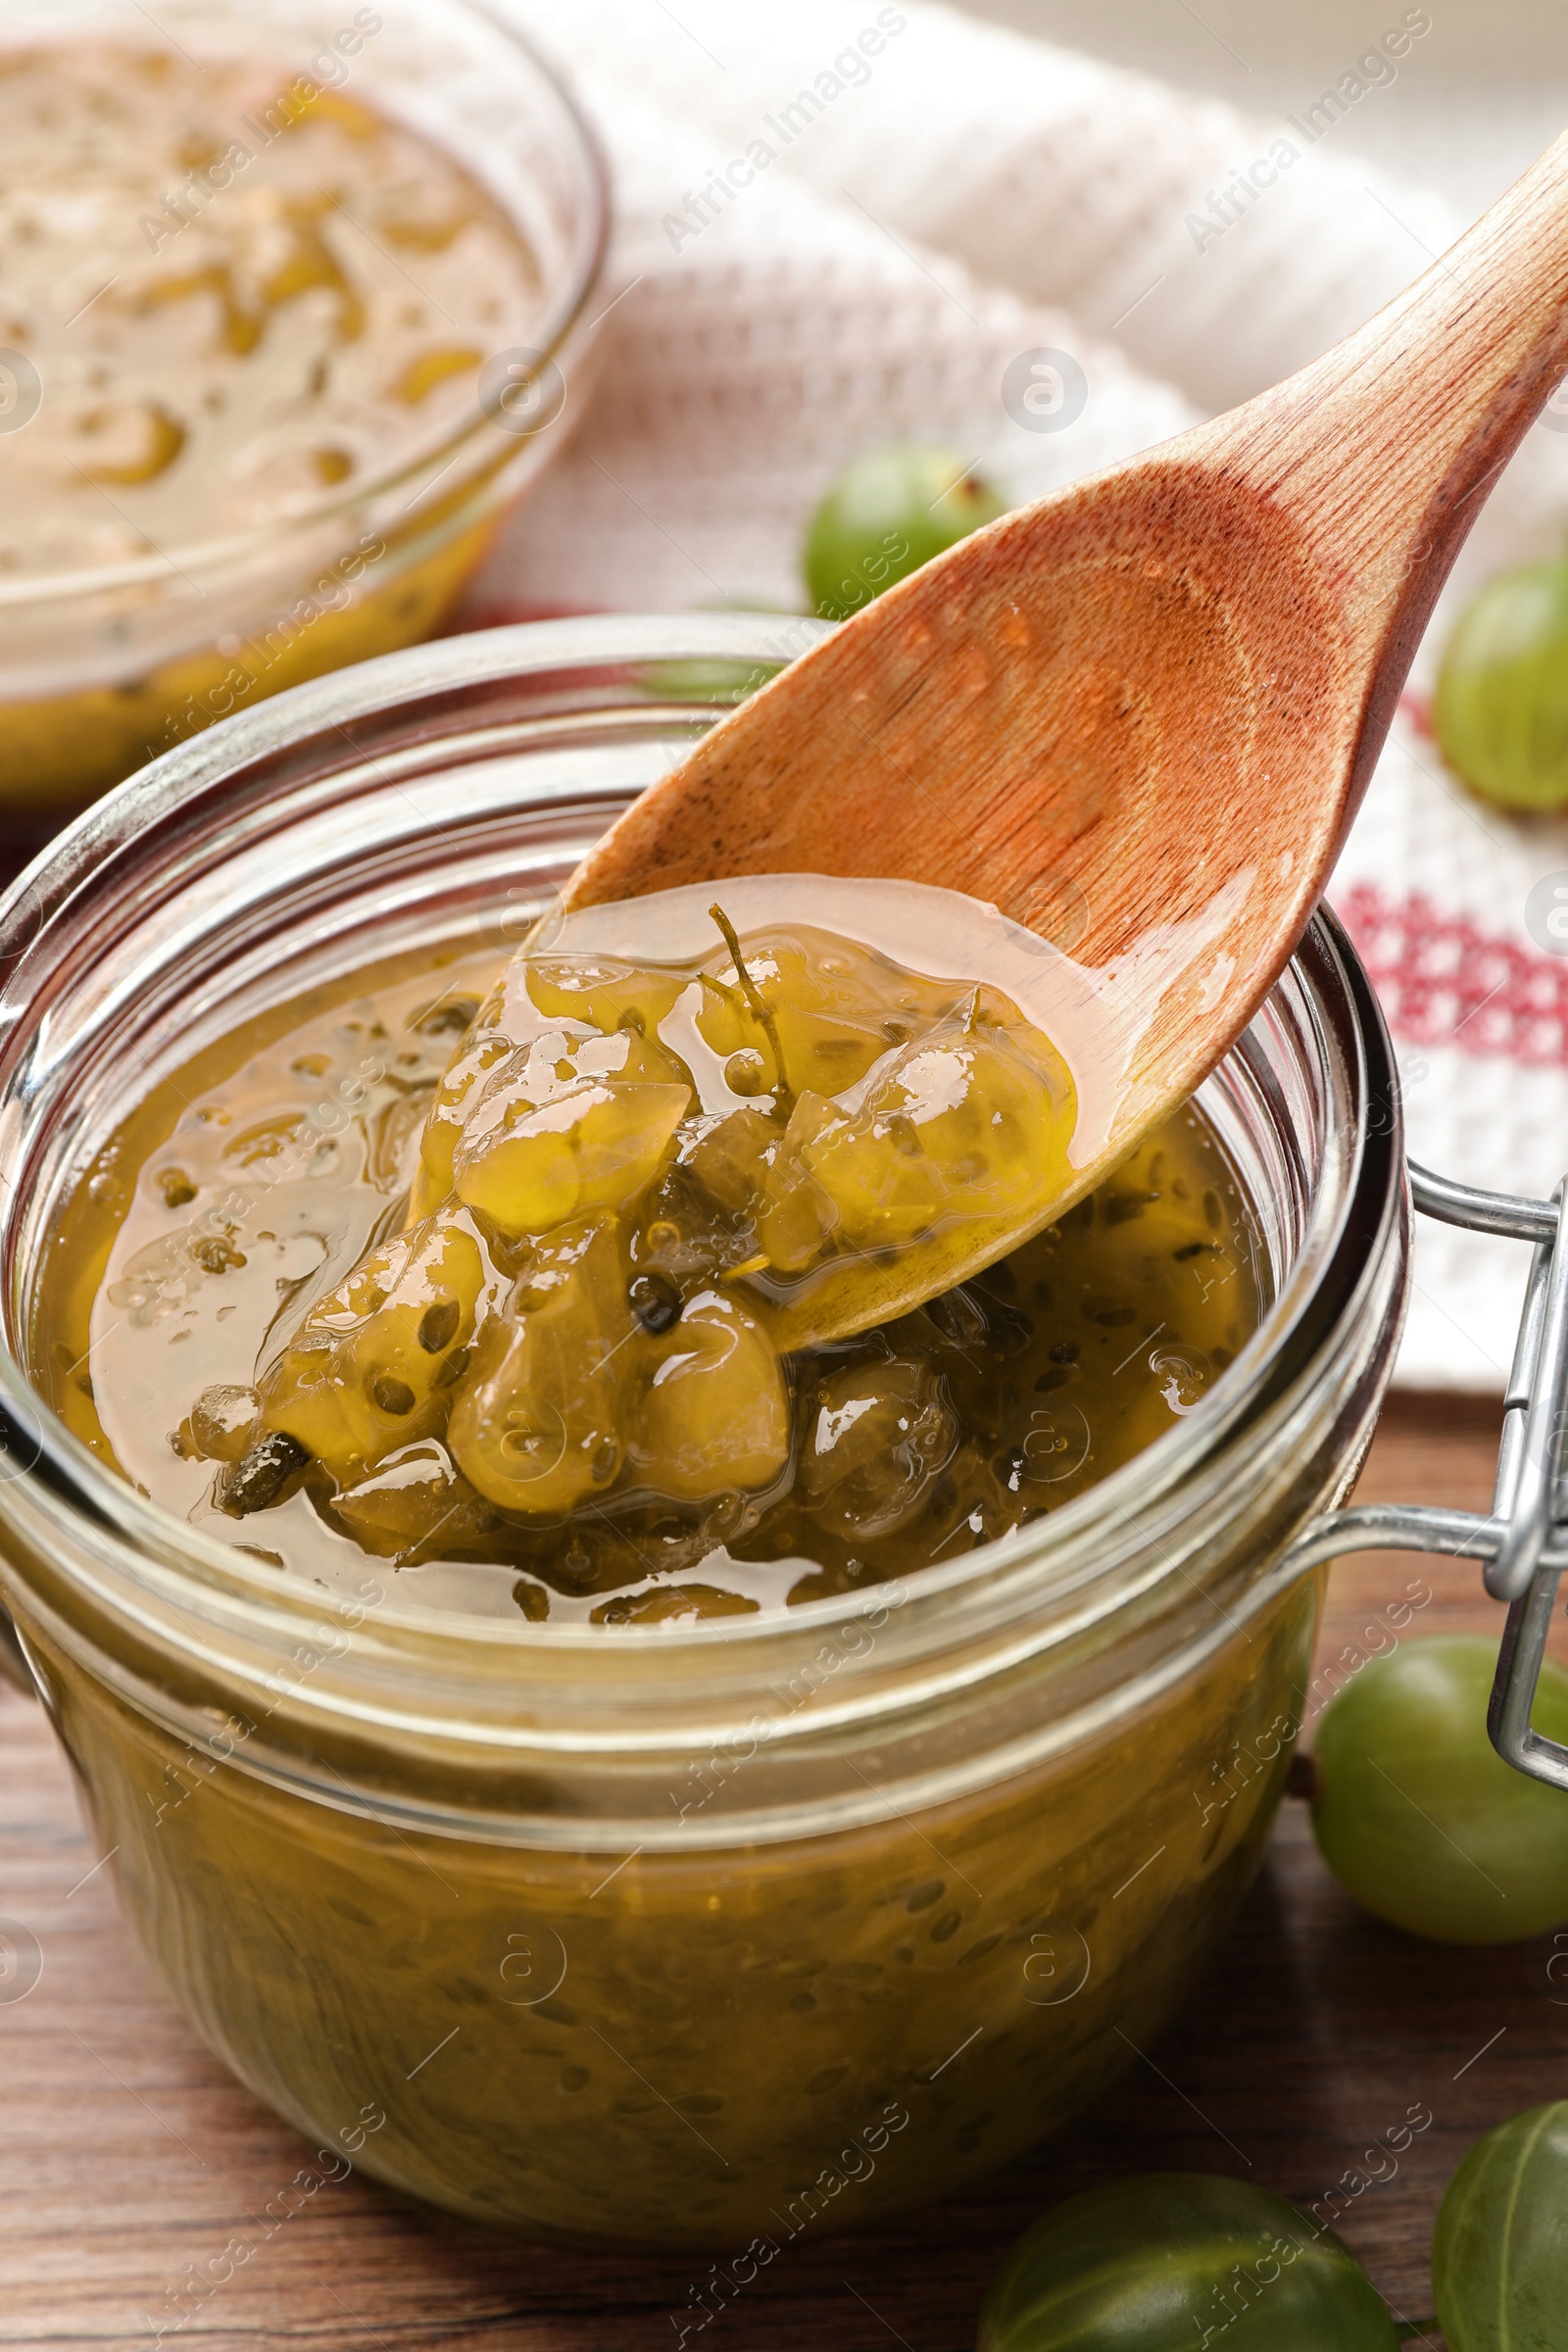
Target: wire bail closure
[{"x": 1524, "y": 1544}]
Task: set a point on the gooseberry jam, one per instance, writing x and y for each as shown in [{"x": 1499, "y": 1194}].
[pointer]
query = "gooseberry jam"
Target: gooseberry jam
[
  {"x": 244, "y": 310},
  {"x": 520, "y": 1322},
  {"x": 241, "y": 288}
]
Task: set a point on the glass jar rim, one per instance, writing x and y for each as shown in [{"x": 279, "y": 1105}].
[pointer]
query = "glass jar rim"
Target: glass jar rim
[
  {"x": 425, "y": 1672},
  {"x": 561, "y": 324}
]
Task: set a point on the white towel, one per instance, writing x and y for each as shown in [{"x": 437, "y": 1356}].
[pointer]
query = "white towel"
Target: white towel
[{"x": 839, "y": 223}]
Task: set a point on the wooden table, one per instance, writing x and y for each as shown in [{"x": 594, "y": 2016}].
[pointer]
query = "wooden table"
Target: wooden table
[{"x": 126, "y": 2153}]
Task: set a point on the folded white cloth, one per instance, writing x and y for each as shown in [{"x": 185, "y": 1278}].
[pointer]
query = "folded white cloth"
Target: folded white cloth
[{"x": 839, "y": 224}]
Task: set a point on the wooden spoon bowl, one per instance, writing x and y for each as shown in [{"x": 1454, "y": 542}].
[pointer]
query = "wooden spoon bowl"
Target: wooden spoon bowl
[{"x": 1153, "y": 702}]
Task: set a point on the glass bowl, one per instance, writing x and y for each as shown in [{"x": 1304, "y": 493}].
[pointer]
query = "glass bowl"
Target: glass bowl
[
  {"x": 720, "y": 1933},
  {"x": 103, "y": 666}
]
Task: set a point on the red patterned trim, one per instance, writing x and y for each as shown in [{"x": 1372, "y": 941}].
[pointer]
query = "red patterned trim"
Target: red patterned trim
[
  {"x": 1416, "y": 711},
  {"x": 1445, "y": 982}
]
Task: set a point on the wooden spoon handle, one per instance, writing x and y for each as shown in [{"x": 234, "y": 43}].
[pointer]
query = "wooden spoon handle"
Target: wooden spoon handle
[{"x": 1383, "y": 448}]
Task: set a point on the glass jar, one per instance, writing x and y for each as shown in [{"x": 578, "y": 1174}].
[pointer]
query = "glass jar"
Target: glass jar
[
  {"x": 709, "y": 1932},
  {"x": 102, "y": 666}
]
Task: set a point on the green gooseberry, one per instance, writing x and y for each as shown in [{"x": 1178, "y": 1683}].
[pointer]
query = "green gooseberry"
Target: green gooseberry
[
  {"x": 1501, "y": 706},
  {"x": 1419, "y": 1816},
  {"x": 1499, "y": 2258},
  {"x": 888, "y": 513},
  {"x": 707, "y": 681},
  {"x": 1170, "y": 2262}
]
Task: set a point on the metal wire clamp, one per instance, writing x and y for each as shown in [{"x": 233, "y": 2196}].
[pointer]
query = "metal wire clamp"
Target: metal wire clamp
[{"x": 1524, "y": 1544}]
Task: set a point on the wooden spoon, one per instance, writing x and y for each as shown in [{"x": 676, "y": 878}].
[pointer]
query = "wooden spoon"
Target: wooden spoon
[{"x": 1155, "y": 698}]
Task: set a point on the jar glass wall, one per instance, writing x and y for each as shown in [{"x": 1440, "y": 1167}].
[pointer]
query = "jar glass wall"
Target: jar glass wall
[{"x": 695, "y": 1933}]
